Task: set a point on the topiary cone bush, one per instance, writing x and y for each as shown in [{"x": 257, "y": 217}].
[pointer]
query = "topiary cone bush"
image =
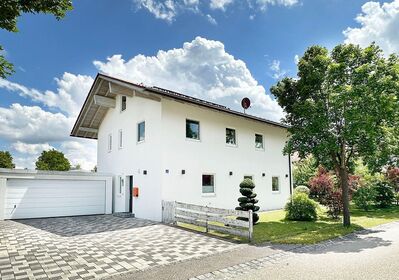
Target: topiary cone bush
[{"x": 248, "y": 200}]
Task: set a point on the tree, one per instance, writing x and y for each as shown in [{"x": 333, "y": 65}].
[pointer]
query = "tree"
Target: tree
[
  {"x": 343, "y": 106},
  {"x": 53, "y": 160},
  {"x": 247, "y": 201},
  {"x": 304, "y": 170},
  {"x": 11, "y": 10},
  {"x": 6, "y": 160}
]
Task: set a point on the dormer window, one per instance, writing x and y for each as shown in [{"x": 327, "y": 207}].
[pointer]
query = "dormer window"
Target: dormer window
[{"x": 123, "y": 103}]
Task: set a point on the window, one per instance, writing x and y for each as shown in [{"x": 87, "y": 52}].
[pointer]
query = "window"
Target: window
[
  {"x": 121, "y": 184},
  {"x": 230, "y": 136},
  {"x": 208, "y": 183},
  {"x": 109, "y": 142},
  {"x": 275, "y": 184},
  {"x": 120, "y": 142},
  {"x": 123, "y": 103},
  {"x": 259, "y": 141},
  {"x": 141, "y": 132},
  {"x": 192, "y": 129},
  {"x": 248, "y": 177}
]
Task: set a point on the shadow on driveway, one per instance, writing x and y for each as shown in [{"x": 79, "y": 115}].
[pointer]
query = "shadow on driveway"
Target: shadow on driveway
[{"x": 83, "y": 225}]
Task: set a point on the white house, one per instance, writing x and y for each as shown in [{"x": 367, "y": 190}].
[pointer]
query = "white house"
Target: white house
[{"x": 174, "y": 147}]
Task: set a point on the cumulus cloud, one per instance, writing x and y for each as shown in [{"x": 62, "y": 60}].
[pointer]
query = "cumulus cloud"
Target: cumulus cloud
[
  {"x": 68, "y": 98},
  {"x": 201, "y": 68},
  {"x": 378, "y": 23},
  {"x": 31, "y": 149},
  {"x": 168, "y": 10},
  {"x": 31, "y": 124}
]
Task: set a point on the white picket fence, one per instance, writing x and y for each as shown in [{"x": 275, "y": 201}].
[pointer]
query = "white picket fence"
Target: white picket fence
[{"x": 174, "y": 212}]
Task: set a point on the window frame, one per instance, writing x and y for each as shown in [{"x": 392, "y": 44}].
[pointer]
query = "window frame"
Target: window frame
[
  {"x": 199, "y": 130},
  {"x": 235, "y": 137},
  {"x": 278, "y": 184},
  {"x": 121, "y": 107},
  {"x": 138, "y": 132},
  {"x": 214, "y": 184},
  {"x": 120, "y": 139},
  {"x": 109, "y": 143},
  {"x": 263, "y": 141}
]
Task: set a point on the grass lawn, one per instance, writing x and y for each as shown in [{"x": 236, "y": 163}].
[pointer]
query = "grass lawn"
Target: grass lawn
[{"x": 272, "y": 226}]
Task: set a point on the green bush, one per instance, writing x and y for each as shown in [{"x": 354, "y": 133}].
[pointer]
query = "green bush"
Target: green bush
[
  {"x": 384, "y": 195},
  {"x": 301, "y": 208},
  {"x": 397, "y": 198},
  {"x": 364, "y": 197},
  {"x": 302, "y": 189}
]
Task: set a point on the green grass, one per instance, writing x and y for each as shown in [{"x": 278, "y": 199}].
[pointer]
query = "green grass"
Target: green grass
[{"x": 273, "y": 227}]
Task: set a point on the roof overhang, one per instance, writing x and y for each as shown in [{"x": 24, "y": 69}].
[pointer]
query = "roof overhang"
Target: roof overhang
[{"x": 101, "y": 97}]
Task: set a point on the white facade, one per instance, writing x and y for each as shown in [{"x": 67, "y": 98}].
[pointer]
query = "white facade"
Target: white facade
[
  {"x": 166, "y": 152},
  {"x": 37, "y": 194}
]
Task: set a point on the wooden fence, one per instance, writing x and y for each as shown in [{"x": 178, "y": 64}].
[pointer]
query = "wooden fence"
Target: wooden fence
[{"x": 217, "y": 219}]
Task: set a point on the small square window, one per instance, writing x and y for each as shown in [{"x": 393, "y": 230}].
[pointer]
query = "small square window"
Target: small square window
[
  {"x": 230, "y": 136},
  {"x": 208, "y": 183},
  {"x": 192, "y": 129},
  {"x": 109, "y": 142},
  {"x": 120, "y": 142},
  {"x": 123, "y": 103},
  {"x": 141, "y": 132},
  {"x": 275, "y": 184},
  {"x": 259, "y": 141}
]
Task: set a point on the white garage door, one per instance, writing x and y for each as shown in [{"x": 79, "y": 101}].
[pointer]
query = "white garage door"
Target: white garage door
[{"x": 33, "y": 198}]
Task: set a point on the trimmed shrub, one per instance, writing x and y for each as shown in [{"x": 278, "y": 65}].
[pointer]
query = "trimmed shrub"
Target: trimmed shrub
[
  {"x": 247, "y": 201},
  {"x": 364, "y": 197},
  {"x": 384, "y": 195},
  {"x": 301, "y": 208},
  {"x": 302, "y": 189}
]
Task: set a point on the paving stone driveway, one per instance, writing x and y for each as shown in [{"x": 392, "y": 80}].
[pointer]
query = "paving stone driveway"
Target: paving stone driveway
[{"x": 94, "y": 247}]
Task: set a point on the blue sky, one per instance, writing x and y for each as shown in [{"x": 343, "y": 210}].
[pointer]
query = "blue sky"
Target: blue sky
[{"x": 260, "y": 38}]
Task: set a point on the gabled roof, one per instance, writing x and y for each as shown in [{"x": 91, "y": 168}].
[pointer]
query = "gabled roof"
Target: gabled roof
[{"x": 103, "y": 93}]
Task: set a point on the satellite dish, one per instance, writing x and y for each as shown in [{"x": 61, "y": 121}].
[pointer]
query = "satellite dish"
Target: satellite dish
[{"x": 245, "y": 103}]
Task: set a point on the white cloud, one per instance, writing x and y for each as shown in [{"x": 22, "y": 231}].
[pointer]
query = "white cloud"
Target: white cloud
[
  {"x": 220, "y": 4},
  {"x": 31, "y": 124},
  {"x": 378, "y": 23},
  {"x": 296, "y": 59},
  {"x": 168, "y": 10},
  {"x": 262, "y": 4},
  {"x": 31, "y": 149},
  {"x": 211, "y": 19},
  {"x": 201, "y": 68},
  {"x": 71, "y": 92},
  {"x": 277, "y": 72}
]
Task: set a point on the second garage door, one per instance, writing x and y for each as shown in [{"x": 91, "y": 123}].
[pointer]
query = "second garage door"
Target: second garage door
[{"x": 33, "y": 198}]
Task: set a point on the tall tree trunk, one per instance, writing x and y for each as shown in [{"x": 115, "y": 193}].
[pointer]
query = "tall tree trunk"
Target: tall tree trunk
[{"x": 343, "y": 176}]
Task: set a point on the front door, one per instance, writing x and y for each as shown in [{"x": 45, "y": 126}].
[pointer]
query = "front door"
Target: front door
[{"x": 130, "y": 178}]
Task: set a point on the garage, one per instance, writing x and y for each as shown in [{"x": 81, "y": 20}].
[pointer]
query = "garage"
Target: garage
[{"x": 35, "y": 194}]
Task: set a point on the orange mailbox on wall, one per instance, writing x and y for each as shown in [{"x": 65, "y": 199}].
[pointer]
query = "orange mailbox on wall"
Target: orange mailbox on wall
[{"x": 135, "y": 191}]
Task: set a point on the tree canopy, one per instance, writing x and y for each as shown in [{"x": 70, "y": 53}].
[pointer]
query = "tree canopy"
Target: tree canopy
[
  {"x": 11, "y": 10},
  {"x": 53, "y": 160},
  {"x": 6, "y": 160},
  {"x": 342, "y": 106}
]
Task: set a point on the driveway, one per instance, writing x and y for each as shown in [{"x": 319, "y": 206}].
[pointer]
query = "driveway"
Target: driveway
[{"x": 95, "y": 246}]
